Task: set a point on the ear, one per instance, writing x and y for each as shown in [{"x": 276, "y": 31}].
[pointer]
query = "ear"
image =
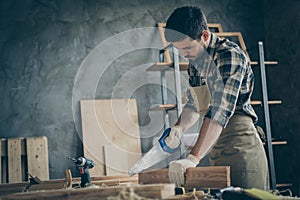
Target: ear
[{"x": 205, "y": 35}]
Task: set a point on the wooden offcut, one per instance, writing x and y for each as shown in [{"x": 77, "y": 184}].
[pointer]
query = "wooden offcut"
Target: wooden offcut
[
  {"x": 157, "y": 191},
  {"x": 195, "y": 177},
  {"x": 110, "y": 122}
]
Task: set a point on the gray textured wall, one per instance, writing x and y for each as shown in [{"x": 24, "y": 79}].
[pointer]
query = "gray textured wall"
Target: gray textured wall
[
  {"x": 282, "y": 29},
  {"x": 43, "y": 43}
]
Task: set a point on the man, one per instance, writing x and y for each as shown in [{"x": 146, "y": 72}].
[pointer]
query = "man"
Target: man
[{"x": 221, "y": 69}]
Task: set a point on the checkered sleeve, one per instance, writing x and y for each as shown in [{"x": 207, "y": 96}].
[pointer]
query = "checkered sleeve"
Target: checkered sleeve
[{"x": 231, "y": 69}]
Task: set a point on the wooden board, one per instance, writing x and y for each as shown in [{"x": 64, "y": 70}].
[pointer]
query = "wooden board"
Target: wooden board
[
  {"x": 157, "y": 191},
  {"x": 115, "y": 165},
  {"x": 195, "y": 177},
  {"x": 37, "y": 157},
  {"x": 14, "y": 160},
  {"x": 11, "y": 188},
  {"x": 110, "y": 122}
]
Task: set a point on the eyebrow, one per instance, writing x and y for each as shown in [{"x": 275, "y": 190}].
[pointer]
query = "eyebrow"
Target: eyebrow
[{"x": 188, "y": 47}]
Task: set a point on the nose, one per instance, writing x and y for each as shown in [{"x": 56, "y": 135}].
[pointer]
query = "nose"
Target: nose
[{"x": 184, "y": 53}]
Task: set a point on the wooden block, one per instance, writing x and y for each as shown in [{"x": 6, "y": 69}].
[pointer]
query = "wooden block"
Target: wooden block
[
  {"x": 208, "y": 177},
  {"x": 14, "y": 160},
  {"x": 196, "y": 177},
  {"x": 158, "y": 191},
  {"x": 110, "y": 122},
  {"x": 37, "y": 156},
  {"x": 116, "y": 160}
]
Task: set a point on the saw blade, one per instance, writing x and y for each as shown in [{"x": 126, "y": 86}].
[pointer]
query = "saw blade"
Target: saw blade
[{"x": 153, "y": 156}]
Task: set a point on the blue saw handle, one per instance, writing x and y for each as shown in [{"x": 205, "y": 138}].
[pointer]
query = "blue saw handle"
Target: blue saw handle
[{"x": 163, "y": 144}]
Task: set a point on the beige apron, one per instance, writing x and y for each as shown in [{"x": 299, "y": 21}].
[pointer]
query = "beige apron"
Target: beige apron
[
  {"x": 201, "y": 97},
  {"x": 238, "y": 146}
]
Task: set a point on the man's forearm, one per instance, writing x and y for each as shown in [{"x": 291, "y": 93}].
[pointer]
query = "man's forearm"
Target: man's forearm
[
  {"x": 209, "y": 133},
  {"x": 187, "y": 119}
]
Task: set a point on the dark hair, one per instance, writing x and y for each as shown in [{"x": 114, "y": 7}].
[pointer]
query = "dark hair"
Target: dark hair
[{"x": 185, "y": 21}]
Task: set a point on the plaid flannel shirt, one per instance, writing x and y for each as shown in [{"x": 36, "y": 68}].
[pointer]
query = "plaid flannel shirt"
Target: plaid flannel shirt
[{"x": 227, "y": 72}]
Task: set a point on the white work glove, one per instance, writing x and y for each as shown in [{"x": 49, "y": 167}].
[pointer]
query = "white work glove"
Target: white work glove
[
  {"x": 178, "y": 168},
  {"x": 173, "y": 140}
]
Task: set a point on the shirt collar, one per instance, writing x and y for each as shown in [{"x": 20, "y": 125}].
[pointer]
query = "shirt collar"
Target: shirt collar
[{"x": 212, "y": 45}]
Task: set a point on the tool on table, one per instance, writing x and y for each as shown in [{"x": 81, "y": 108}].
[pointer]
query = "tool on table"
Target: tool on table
[
  {"x": 158, "y": 152},
  {"x": 33, "y": 180},
  {"x": 84, "y": 164}
]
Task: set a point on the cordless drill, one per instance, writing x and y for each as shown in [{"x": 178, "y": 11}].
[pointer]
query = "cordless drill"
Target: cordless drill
[{"x": 84, "y": 164}]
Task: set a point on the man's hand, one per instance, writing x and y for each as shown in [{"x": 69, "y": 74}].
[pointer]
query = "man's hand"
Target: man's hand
[
  {"x": 178, "y": 168},
  {"x": 173, "y": 140}
]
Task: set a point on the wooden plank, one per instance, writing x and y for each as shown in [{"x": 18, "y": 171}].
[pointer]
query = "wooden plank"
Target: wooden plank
[
  {"x": 208, "y": 177},
  {"x": 164, "y": 66},
  {"x": 14, "y": 160},
  {"x": 277, "y": 143},
  {"x": 158, "y": 107},
  {"x": 37, "y": 157},
  {"x": 163, "y": 107},
  {"x": 110, "y": 122},
  {"x": 116, "y": 160},
  {"x": 4, "y": 147},
  {"x": 271, "y": 102},
  {"x": 266, "y": 62},
  {"x": 163, "y": 41},
  {"x": 158, "y": 191},
  {"x": 209, "y": 25},
  {"x": 10, "y": 188},
  {"x": 196, "y": 177}
]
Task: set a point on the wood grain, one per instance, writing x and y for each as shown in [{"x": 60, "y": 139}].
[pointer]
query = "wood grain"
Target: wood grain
[
  {"x": 10, "y": 188},
  {"x": 14, "y": 160},
  {"x": 116, "y": 160},
  {"x": 158, "y": 191},
  {"x": 196, "y": 177},
  {"x": 37, "y": 157},
  {"x": 110, "y": 122}
]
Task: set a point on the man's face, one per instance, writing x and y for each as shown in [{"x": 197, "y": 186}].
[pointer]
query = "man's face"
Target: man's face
[{"x": 189, "y": 48}]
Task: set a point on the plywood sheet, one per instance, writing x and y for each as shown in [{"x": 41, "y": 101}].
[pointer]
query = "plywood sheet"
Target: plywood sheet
[
  {"x": 115, "y": 165},
  {"x": 110, "y": 122}
]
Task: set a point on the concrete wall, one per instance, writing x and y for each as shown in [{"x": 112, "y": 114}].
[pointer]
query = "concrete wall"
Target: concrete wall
[
  {"x": 282, "y": 28},
  {"x": 44, "y": 43}
]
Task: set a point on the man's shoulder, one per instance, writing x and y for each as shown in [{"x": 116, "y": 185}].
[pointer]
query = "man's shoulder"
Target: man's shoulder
[
  {"x": 227, "y": 48},
  {"x": 225, "y": 45}
]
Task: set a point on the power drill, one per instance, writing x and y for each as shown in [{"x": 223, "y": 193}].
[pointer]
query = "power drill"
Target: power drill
[{"x": 84, "y": 164}]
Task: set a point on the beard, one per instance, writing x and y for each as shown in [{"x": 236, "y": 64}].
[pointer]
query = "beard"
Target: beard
[{"x": 202, "y": 54}]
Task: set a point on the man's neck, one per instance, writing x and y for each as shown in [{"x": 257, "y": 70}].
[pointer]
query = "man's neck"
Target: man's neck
[{"x": 208, "y": 40}]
